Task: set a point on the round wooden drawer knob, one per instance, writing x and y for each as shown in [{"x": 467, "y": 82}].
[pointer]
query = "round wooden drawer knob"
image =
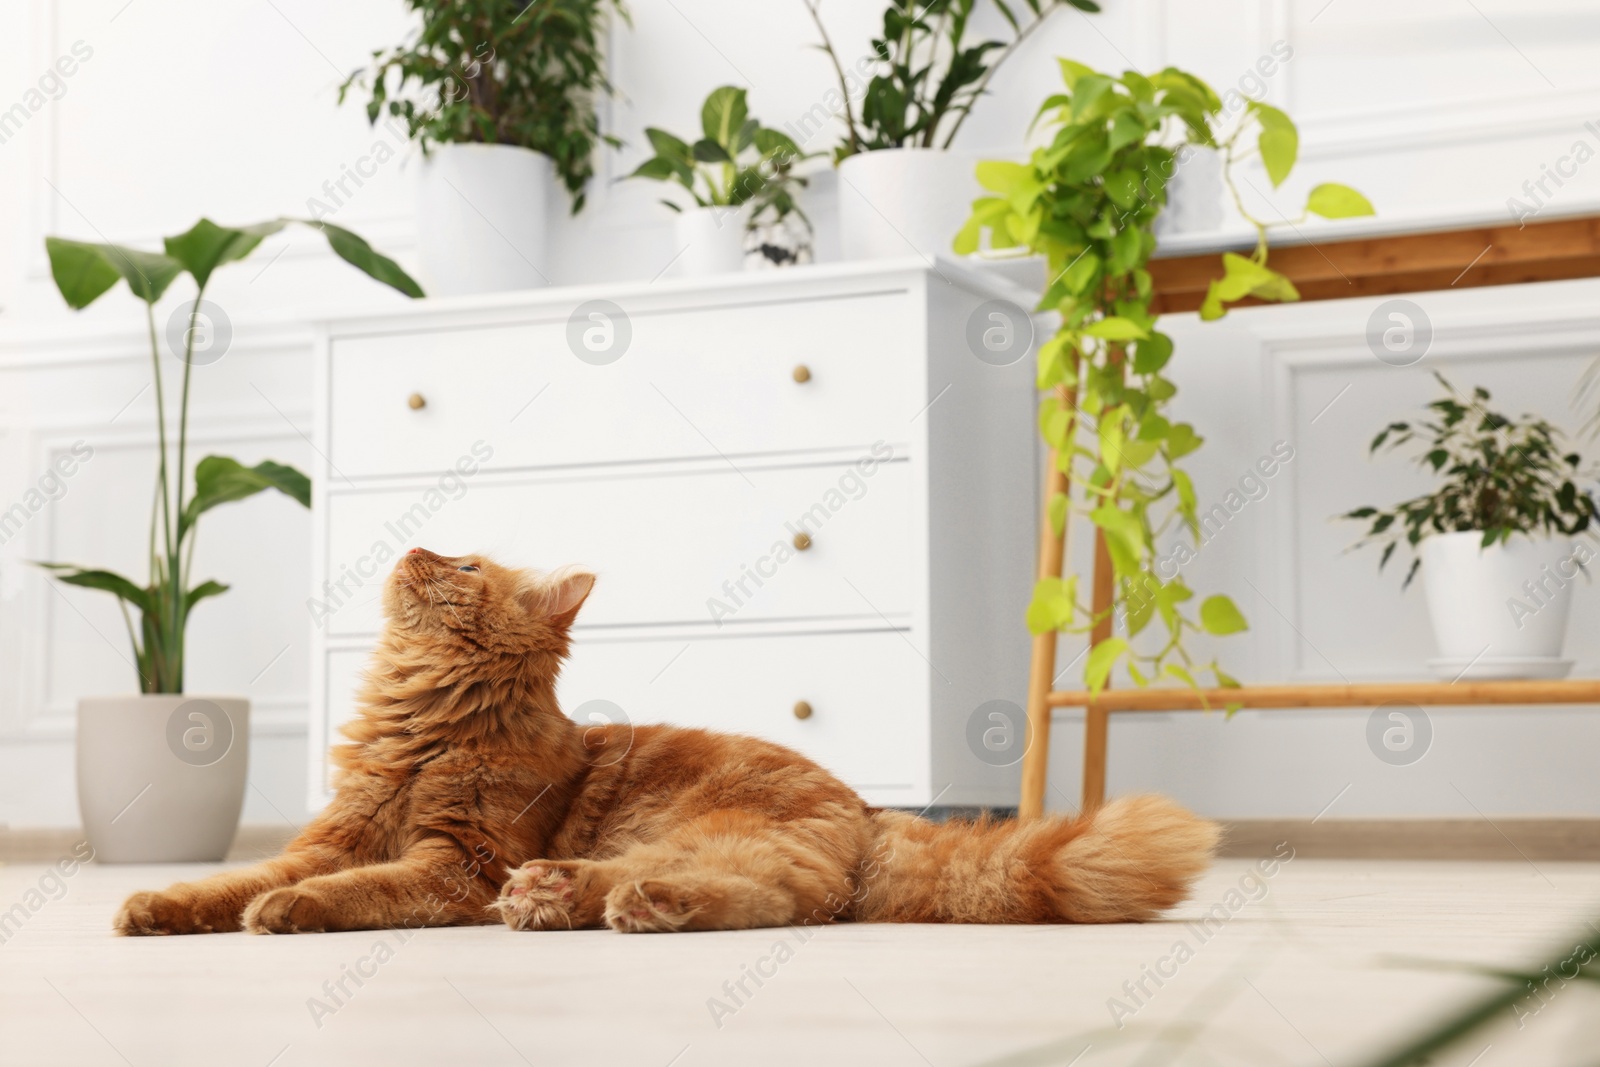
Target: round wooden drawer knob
[
  {"x": 802, "y": 710},
  {"x": 802, "y": 541},
  {"x": 416, "y": 401},
  {"x": 802, "y": 373}
]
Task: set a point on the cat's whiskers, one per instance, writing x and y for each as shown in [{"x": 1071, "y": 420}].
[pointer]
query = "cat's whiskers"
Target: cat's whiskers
[{"x": 433, "y": 581}]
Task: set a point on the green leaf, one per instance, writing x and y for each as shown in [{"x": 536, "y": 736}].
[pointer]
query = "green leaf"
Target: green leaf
[
  {"x": 220, "y": 480},
  {"x": 1334, "y": 201},
  {"x": 1115, "y": 328},
  {"x": 354, "y": 250},
  {"x": 723, "y": 116},
  {"x": 205, "y": 246},
  {"x": 1053, "y": 605},
  {"x": 1071, "y": 71},
  {"x": 83, "y": 272},
  {"x": 1182, "y": 440},
  {"x": 1057, "y": 511},
  {"x": 1124, "y": 537},
  {"x": 1278, "y": 143},
  {"x": 1002, "y": 176},
  {"x": 1101, "y": 659},
  {"x": 201, "y": 592},
  {"x": 1152, "y": 353},
  {"x": 1219, "y": 616},
  {"x": 706, "y": 150},
  {"x": 1081, "y": 273},
  {"x": 106, "y": 581}
]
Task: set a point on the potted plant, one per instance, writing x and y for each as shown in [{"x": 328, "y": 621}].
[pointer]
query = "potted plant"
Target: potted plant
[
  {"x": 735, "y": 169},
  {"x": 1493, "y": 540},
  {"x": 902, "y": 189},
  {"x": 1087, "y": 202},
  {"x": 161, "y": 774},
  {"x": 500, "y": 96}
]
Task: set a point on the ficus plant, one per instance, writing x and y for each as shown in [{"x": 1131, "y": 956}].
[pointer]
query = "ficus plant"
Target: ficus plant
[
  {"x": 1087, "y": 201},
  {"x": 735, "y": 161},
  {"x": 83, "y": 273},
  {"x": 925, "y": 75},
  {"x": 508, "y": 72},
  {"x": 1498, "y": 477}
]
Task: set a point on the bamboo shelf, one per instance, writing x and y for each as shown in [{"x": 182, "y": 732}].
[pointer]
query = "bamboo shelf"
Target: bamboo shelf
[{"x": 1459, "y": 258}]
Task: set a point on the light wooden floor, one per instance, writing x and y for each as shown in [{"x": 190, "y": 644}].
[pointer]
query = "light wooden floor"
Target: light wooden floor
[{"x": 1304, "y": 975}]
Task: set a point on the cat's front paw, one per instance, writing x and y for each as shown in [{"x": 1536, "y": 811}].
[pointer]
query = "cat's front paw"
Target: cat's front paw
[
  {"x": 291, "y": 910},
  {"x": 652, "y": 906},
  {"x": 539, "y": 895},
  {"x": 166, "y": 913}
]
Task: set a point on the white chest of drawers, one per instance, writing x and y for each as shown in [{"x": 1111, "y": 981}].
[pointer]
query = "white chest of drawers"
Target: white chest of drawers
[{"x": 840, "y": 405}]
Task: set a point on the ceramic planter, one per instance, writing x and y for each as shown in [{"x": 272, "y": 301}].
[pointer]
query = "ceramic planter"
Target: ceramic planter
[
  {"x": 161, "y": 778},
  {"x": 904, "y": 202},
  {"x": 483, "y": 218},
  {"x": 1500, "y": 612},
  {"x": 708, "y": 241}
]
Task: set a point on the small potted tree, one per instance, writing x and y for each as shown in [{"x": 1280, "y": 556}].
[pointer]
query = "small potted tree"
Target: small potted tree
[
  {"x": 902, "y": 189},
  {"x": 161, "y": 774},
  {"x": 735, "y": 170},
  {"x": 1494, "y": 540},
  {"x": 500, "y": 96}
]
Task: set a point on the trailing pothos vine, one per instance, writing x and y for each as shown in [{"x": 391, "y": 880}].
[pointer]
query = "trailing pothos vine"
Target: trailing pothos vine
[{"x": 1088, "y": 202}]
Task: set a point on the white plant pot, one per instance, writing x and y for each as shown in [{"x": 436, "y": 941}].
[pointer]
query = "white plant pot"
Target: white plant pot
[
  {"x": 483, "y": 218},
  {"x": 1194, "y": 194},
  {"x": 708, "y": 241},
  {"x": 904, "y": 202},
  {"x": 1500, "y": 612},
  {"x": 161, "y": 777}
]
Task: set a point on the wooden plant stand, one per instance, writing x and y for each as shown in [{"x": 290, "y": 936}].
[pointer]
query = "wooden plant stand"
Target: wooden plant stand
[{"x": 1459, "y": 258}]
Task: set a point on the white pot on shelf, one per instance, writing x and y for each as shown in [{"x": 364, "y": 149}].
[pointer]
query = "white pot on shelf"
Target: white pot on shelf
[
  {"x": 708, "y": 241},
  {"x": 483, "y": 218},
  {"x": 904, "y": 202},
  {"x": 161, "y": 777},
  {"x": 1500, "y": 612}
]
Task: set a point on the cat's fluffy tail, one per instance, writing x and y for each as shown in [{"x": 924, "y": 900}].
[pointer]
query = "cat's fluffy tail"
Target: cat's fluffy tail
[{"x": 1127, "y": 862}]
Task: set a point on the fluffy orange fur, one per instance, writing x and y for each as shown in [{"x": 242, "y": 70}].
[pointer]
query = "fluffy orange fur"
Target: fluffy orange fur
[{"x": 464, "y": 795}]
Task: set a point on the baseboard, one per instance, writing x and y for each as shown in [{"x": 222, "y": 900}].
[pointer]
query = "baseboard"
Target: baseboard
[
  {"x": 1376, "y": 839},
  {"x": 1418, "y": 839},
  {"x": 47, "y": 846}
]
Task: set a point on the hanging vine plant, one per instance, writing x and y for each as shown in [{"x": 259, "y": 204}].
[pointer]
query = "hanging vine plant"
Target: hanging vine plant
[{"x": 1088, "y": 203}]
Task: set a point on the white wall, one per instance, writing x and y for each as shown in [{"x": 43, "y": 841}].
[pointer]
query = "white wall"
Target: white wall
[{"x": 227, "y": 109}]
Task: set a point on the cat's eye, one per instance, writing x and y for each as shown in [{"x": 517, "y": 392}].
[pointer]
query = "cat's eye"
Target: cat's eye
[{"x": 468, "y": 568}]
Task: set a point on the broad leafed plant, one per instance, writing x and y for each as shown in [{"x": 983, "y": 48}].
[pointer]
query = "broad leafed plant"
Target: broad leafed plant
[
  {"x": 1087, "y": 202},
  {"x": 735, "y": 161},
  {"x": 83, "y": 273}
]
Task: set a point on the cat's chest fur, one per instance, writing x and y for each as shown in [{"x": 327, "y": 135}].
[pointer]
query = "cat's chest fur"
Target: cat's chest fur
[{"x": 492, "y": 807}]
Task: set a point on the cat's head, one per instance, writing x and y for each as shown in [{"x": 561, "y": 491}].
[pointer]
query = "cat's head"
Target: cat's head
[{"x": 476, "y": 598}]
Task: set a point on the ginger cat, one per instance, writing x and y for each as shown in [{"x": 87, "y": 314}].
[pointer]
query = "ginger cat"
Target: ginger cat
[{"x": 466, "y": 796}]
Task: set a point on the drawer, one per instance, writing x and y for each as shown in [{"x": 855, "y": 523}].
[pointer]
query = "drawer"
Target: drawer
[
  {"x": 866, "y": 692},
  {"x": 691, "y": 383},
  {"x": 712, "y": 547}
]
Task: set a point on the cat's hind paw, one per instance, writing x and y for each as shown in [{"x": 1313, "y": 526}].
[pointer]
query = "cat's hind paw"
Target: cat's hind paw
[{"x": 651, "y": 906}]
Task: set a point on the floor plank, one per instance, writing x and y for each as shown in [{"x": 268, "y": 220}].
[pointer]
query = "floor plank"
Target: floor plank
[{"x": 1298, "y": 968}]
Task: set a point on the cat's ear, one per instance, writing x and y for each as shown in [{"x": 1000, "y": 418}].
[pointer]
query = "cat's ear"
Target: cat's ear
[{"x": 557, "y": 596}]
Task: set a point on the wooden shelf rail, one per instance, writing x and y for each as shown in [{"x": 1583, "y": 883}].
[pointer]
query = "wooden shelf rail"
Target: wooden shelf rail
[{"x": 1471, "y": 256}]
